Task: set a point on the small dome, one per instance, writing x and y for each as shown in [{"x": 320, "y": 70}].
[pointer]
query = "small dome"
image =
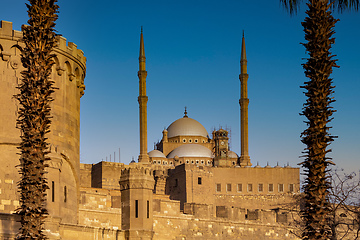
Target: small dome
[
  {"x": 156, "y": 153},
  {"x": 191, "y": 150},
  {"x": 186, "y": 127},
  {"x": 233, "y": 154}
]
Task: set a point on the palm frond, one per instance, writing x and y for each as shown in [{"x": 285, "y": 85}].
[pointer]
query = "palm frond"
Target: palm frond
[
  {"x": 342, "y": 5},
  {"x": 291, "y": 5}
]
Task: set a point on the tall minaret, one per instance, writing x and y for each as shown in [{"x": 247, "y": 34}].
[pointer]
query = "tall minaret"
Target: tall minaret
[
  {"x": 142, "y": 99},
  {"x": 244, "y": 102}
]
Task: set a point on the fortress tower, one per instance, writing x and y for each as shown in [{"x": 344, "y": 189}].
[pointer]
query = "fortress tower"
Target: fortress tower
[
  {"x": 63, "y": 176},
  {"x": 142, "y": 99},
  {"x": 244, "y": 103},
  {"x": 136, "y": 186}
]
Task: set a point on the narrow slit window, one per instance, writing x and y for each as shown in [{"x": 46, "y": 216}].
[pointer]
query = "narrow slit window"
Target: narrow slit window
[
  {"x": 176, "y": 182},
  {"x": 147, "y": 209},
  {"x": 53, "y": 191},
  {"x": 136, "y": 208},
  {"x": 199, "y": 180},
  {"x": 65, "y": 194}
]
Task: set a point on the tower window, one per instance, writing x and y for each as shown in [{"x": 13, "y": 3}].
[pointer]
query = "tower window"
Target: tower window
[
  {"x": 202, "y": 161},
  {"x": 53, "y": 191},
  {"x": 271, "y": 187},
  {"x": 239, "y": 187},
  {"x": 249, "y": 187},
  {"x": 136, "y": 208},
  {"x": 199, "y": 180},
  {"x": 187, "y": 161},
  {"x": 65, "y": 194},
  {"x": 218, "y": 187},
  {"x": 184, "y": 140},
  {"x": 192, "y": 161},
  {"x": 197, "y": 161},
  {"x": 196, "y": 140},
  {"x": 190, "y": 141},
  {"x": 260, "y": 187},
  {"x": 147, "y": 209},
  {"x": 228, "y": 187}
]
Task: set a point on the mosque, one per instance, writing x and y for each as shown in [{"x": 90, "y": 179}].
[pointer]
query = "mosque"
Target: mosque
[{"x": 190, "y": 187}]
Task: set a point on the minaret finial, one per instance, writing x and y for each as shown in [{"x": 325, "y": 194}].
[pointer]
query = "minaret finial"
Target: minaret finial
[
  {"x": 141, "y": 29},
  {"x": 185, "y": 113},
  {"x": 243, "y": 33}
]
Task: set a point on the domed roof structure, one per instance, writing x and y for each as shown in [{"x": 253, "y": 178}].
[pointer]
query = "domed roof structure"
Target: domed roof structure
[
  {"x": 233, "y": 154},
  {"x": 156, "y": 153},
  {"x": 186, "y": 127},
  {"x": 191, "y": 150}
]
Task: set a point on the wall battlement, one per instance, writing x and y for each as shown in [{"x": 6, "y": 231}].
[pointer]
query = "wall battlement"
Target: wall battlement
[
  {"x": 135, "y": 169},
  {"x": 68, "y": 58},
  {"x": 69, "y": 48}
]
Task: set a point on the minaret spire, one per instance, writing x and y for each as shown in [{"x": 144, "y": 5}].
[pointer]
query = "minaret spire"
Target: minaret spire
[
  {"x": 244, "y": 102},
  {"x": 142, "y": 99}
]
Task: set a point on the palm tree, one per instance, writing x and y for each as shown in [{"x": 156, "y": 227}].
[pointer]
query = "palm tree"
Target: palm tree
[
  {"x": 319, "y": 29},
  {"x": 34, "y": 115}
]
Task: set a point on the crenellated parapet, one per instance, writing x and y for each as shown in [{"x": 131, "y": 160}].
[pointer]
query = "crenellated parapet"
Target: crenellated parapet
[
  {"x": 69, "y": 59},
  {"x": 137, "y": 176}
]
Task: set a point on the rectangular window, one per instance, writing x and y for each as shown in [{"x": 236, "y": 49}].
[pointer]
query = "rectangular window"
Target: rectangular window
[
  {"x": 199, "y": 180},
  {"x": 228, "y": 187},
  {"x": 218, "y": 187},
  {"x": 147, "y": 209},
  {"x": 53, "y": 191},
  {"x": 136, "y": 208},
  {"x": 281, "y": 187},
  {"x": 239, "y": 187},
  {"x": 271, "y": 187},
  {"x": 291, "y": 188},
  {"x": 249, "y": 187},
  {"x": 261, "y": 187}
]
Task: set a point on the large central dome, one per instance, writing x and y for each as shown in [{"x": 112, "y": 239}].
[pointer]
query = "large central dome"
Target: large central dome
[{"x": 186, "y": 127}]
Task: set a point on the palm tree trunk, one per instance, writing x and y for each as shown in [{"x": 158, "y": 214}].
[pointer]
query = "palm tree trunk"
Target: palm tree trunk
[
  {"x": 34, "y": 115},
  {"x": 318, "y": 28}
]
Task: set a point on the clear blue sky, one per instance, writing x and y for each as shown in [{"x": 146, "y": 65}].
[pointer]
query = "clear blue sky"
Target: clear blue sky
[{"x": 193, "y": 51}]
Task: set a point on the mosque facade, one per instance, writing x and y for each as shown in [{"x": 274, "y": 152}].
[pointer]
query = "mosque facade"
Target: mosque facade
[{"x": 191, "y": 186}]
